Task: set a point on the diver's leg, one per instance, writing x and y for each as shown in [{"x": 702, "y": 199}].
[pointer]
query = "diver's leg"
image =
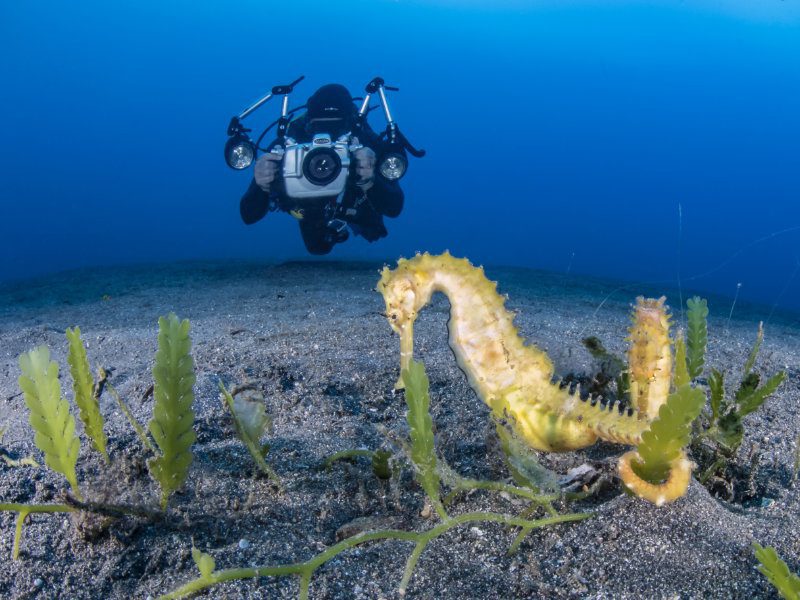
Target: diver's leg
[
  {"x": 386, "y": 197},
  {"x": 315, "y": 236},
  {"x": 368, "y": 223}
]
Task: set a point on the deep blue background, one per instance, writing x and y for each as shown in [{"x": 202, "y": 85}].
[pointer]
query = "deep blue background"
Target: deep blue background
[{"x": 561, "y": 136}]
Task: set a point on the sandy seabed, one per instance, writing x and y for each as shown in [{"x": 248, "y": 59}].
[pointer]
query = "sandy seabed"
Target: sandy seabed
[{"x": 312, "y": 338}]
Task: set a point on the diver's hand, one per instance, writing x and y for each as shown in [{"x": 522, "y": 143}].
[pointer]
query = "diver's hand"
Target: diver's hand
[
  {"x": 266, "y": 169},
  {"x": 365, "y": 166}
]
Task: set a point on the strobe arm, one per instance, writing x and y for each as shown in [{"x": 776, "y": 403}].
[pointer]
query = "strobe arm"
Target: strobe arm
[
  {"x": 240, "y": 151},
  {"x": 283, "y": 122},
  {"x": 393, "y": 160},
  {"x": 278, "y": 90}
]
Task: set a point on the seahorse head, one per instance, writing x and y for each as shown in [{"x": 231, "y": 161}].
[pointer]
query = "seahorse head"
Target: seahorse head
[{"x": 405, "y": 290}]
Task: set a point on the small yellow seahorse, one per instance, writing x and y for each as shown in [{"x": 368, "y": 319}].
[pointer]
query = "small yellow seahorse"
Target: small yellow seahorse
[{"x": 515, "y": 379}]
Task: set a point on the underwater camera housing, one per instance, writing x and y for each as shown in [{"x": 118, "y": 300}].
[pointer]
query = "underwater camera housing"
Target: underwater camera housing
[{"x": 320, "y": 168}]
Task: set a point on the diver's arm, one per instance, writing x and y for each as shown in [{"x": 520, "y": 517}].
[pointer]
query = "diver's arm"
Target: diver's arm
[
  {"x": 254, "y": 205},
  {"x": 256, "y": 201},
  {"x": 386, "y": 197}
]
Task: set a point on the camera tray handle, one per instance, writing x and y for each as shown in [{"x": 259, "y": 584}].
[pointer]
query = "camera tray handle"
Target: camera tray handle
[{"x": 278, "y": 90}]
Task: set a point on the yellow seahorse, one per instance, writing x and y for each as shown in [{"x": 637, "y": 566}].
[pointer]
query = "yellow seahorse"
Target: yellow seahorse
[{"x": 515, "y": 379}]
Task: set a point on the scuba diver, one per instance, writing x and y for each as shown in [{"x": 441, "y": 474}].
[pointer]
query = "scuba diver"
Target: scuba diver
[
  {"x": 367, "y": 199},
  {"x": 327, "y": 167}
]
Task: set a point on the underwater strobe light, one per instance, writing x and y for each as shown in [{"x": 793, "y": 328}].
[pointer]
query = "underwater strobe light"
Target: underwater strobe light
[
  {"x": 393, "y": 166},
  {"x": 393, "y": 163},
  {"x": 239, "y": 152}
]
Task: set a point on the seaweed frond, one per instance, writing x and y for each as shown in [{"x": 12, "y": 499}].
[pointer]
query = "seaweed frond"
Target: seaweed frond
[
  {"x": 752, "y": 398},
  {"x": 50, "y": 418},
  {"x": 724, "y": 429},
  {"x": 777, "y": 571},
  {"x": 525, "y": 468},
  {"x": 173, "y": 417},
  {"x": 716, "y": 383},
  {"x": 664, "y": 441},
  {"x": 697, "y": 335},
  {"x": 137, "y": 427},
  {"x": 381, "y": 460},
  {"x": 420, "y": 428},
  {"x": 251, "y": 422},
  {"x": 751, "y": 358},
  {"x": 205, "y": 563},
  {"x": 83, "y": 386},
  {"x": 681, "y": 376},
  {"x": 23, "y": 510},
  {"x": 658, "y": 470}
]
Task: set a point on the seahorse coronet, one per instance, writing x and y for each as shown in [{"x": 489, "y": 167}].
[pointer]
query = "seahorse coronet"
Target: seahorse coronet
[{"x": 516, "y": 377}]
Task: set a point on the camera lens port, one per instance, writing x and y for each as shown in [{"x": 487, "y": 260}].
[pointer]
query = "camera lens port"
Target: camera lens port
[{"x": 322, "y": 166}]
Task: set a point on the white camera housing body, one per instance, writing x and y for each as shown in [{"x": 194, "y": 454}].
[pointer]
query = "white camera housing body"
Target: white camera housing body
[{"x": 318, "y": 168}]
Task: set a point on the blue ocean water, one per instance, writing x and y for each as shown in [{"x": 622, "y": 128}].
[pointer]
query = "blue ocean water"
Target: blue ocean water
[{"x": 644, "y": 141}]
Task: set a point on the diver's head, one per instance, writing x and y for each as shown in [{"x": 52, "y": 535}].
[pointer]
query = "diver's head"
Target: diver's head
[{"x": 330, "y": 110}]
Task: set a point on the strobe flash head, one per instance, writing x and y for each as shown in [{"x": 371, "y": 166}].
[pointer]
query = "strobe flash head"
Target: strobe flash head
[
  {"x": 239, "y": 152},
  {"x": 393, "y": 166}
]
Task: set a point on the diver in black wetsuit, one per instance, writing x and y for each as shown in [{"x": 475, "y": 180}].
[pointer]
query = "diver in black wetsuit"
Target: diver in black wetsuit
[{"x": 366, "y": 198}]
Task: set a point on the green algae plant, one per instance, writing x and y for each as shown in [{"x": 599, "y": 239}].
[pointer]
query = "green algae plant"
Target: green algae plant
[
  {"x": 380, "y": 460},
  {"x": 429, "y": 474},
  {"x": 173, "y": 436},
  {"x": 50, "y": 419},
  {"x": 86, "y": 392},
  {"x": 718, "y": 430},
  {"x": 251, "y": 422},
  {"x": 173, "y": 417},
  {"x": 773, "y": 568},
  {"x": 54, "y": 425}
]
